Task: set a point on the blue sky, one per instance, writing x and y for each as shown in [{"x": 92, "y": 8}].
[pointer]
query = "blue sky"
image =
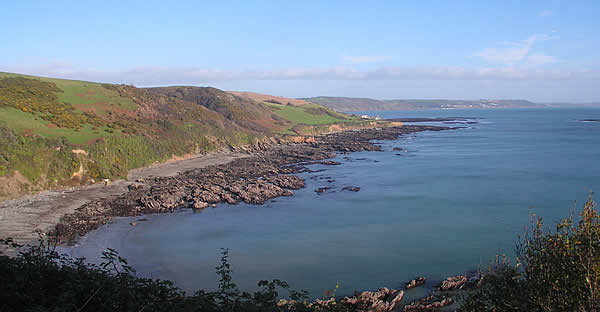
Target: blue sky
[{"x": 536, "y": 50}]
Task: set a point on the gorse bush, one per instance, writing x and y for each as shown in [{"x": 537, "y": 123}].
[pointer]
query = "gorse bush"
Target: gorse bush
[
  {"x": 35, "y": 96},
  {"x": 556, "y": 270}
]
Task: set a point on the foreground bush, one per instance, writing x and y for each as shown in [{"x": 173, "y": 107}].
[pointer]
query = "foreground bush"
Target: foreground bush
[
  {"x": 40, "y": 279},
  {"x": 556, "y": 270}
]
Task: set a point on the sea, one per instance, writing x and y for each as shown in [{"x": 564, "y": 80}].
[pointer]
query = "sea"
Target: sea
[{"x": 431, "y": 203}]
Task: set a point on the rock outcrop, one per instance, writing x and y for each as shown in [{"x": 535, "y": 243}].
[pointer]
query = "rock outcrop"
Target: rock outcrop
[
  {"x": 382, "y": 300},
  {"x": 416, "y": 282},
  {"x": 454, "y": 282}
]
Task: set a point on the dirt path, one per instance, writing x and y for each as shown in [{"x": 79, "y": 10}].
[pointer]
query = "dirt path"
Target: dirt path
[{"x": 21, "y": 218}]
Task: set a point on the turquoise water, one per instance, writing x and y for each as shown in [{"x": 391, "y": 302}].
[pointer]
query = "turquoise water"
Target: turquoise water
[{"x": 447, "y": 204}]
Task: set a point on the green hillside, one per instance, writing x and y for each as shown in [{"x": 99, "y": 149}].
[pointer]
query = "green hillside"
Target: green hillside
[
  {"x": 257, "y": 115},
  {"x": 57, "y": 132}
]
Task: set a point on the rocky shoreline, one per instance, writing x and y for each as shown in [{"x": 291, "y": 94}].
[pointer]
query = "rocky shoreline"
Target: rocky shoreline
[
  {"x": 387, "y": 300},
  {"x": 267, "y": 173}
]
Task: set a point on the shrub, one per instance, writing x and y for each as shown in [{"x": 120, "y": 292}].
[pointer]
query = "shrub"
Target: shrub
[
  {"x": 556, "y": 270},
  {"x": 40, "y": 279},
  {"x": 39, "y": 97}
]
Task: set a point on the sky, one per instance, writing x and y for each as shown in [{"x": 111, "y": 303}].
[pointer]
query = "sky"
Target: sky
[{"x": 544, "y": 51}]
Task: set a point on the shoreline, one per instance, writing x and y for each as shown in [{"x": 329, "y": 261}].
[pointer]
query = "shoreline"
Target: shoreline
[
  {"x": 22, "y": 218},
  {"x": 278, "y": 160},
  {"x": 73, "y": 212},
  {"x": 266, "y": 173}
]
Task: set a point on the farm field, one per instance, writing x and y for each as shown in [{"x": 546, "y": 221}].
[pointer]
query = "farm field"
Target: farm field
[{"x": 308, "y": 114}]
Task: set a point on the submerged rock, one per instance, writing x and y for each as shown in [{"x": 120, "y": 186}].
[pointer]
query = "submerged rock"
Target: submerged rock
[
  {"x": 351, "y": 188},
  {"x": 322, "y": 190},
  {"x": 416, "y": 282},
  {"x": 330, "y": 163}
]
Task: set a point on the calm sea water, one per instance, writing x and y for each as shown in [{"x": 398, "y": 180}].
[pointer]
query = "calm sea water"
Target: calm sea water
[{"x": 446, "y": 204}]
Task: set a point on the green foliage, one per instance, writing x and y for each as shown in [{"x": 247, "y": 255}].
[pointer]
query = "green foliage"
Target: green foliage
[
  {"x": 24, "y": 123},
  {"x": 115, "y": 156},
  {"x": 29, "y": 95},
  {"x": 35, "y": 156},
  {"x": 558, "y": 270},
  {"x": 43, "y": 280},
  {"x": 39, "y": 97},
  {"x": 122, "y": 127},
  {"x": 40, "y": 279},
  {"x": 308, "y": 115}
]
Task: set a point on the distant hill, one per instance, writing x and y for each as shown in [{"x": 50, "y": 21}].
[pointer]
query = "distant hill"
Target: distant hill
[
  {"x": 269, "y": 98},
  {"x": 566, "y": 104},
  {"x": 57, "y": 132},
  {"x": 347, "y": 104}
]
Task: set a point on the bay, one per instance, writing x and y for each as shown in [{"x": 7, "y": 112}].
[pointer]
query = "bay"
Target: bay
[{"x": 447, "y": 203}]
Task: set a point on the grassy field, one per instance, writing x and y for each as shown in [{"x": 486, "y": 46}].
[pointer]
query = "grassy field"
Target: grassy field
[
  {"x": 309, "y": 114},
  {"x": 86, "y": 96},
  {"x": 28, "y": 123}
]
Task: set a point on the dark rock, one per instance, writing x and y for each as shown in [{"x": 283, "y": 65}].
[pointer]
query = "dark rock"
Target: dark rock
[
  {"x": 266, "y": 174},
  {"x": 431, "y": 303},
  {"x": 330, "y": 163},
  {"x": 416, "y": 282},
  {"x": 322, "y": 190},
  {"x": 351, "y": 188},
  {"x": 397, "y": 149},
  {"x": 287, "y": 181}
]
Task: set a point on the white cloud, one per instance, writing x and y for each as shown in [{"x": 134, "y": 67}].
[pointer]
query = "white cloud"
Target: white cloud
[
  {"x": 154, "y": 76},
  {"x": 546, "y": 13},
  {"x": 537, "y": 59},
  {"x": 364, "y": 59},
  {"x": 515, "y": 53}
]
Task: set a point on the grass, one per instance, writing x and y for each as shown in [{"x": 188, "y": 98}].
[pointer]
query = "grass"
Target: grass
[
  {"x": 299, "y": 115},
  {"x": 43, "y": 119},
  {"x": 309, "y": 114},
  {"x": 22, "y": 122},
  {"x": 84, "y": 96},
  {"x": 85, "y": 93}
]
